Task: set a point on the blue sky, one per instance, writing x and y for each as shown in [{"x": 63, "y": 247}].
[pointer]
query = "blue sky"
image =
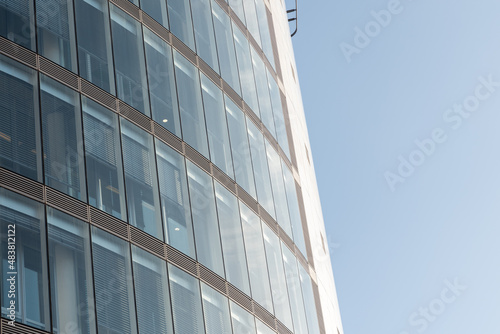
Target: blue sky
[{"x": 400, "y": 249}]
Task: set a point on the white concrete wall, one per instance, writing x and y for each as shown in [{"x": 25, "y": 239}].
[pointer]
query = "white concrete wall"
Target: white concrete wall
[{"x": 305, "y": 170}]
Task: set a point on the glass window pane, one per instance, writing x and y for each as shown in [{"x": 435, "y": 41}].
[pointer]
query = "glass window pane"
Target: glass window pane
[
  {"x": 245, "y": 68},
  {"x": 193, "y": 120},
  {"x": 260, "y": 168},
  {"x": 256, "y": 257},
  {"x": 279, "y": 118},
  {"x": 62, "y": 149},
  {"x": 239, "y": 146},
  {"x": 175, "y": 199},
  {"x": 130, "y": 66},
  {"x": 186, "y": 302},
  {"x": 157, "y": 10},
  {"x": 237, "y": 7},
  {"x": 151, "y": 291},
  {"x": 262, "y": 328},
  {"x": 225, "y": 47},
  {"x": 181, "y": 23},
  {"x": 266, "y": 110},
  {"x": 206, "y": 228},
  {"x": 204, "y": 32},
  {"x": 264, "y": 30},
  {"x": 17, "y": 21},
  {"x": 162, "y": 90},
  {"x": 252, "y": 22},
  {"x": 103, "y": 159},
  {"x": 56, "y": 32},
  {"x": 140, "y": 179},
  {"x": 294, "y": 290},
  {"x": 310, "y": 305},
  {"x": 282, "y": 216},
  {"x": 232, "y": 239},
  {"x": 277, "y": 275},
  {"x": 113, "y": 284},
  {"x": 293, "y": 207},
  {"x": 20, "y": 144},
  {"x": 70, "y": 266},
  {"x": 25, "y": 218},
  {"x": 216, "y": 311},
  {"x": 218, "y": 135},
  {"x": 95, "y": 58},
  {"x": 243, "y": 322}
]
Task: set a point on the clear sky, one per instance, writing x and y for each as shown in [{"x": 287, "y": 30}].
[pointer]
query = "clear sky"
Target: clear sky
[{"x": 422, "y": 256}]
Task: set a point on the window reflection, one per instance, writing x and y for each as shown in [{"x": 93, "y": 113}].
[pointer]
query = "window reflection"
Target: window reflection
[
  {"x": 216, "y": 311},
  {"x": 17, "y": 20}
]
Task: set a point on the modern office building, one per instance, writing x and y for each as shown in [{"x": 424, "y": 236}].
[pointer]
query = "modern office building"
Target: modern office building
[{"x": 155, "y": 174}]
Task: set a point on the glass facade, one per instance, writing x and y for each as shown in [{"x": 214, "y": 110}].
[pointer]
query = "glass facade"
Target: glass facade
[{"x": 129, "y": 207}]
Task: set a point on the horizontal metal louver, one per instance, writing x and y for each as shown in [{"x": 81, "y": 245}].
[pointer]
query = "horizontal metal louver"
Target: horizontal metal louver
[
  {"x": 251, "y": 114},
  {"x": 59, "y": 73},
  {"x": 212, "y": 279},
  {"x": 286, "y": 239},
  {"x": 135, "y": 116},
  {"x": 182, "y": 261},
  {"x": 266, "y": 217},
  {"x": 183, "y": 49},
  {"x": 147, "y": 242},
  {"x": 224, "y": 179},
  {"x": 239, "y": 297},
  {"x": 209, "y": 72},
  {"x": 98, "y": 94},
  {"x": 67, "y": 203},
  {"x": 109, "y": 223},
  {"x": 282, "y": 329},
  {"x": 21, "y": 184},
  {"x": 232, "y": 94},
  {"x": 156, "y": 27},
  {"x": 264, "y": 315},
  {"x": 167, "y": 137},
  {"x": 19, "y": 329},
  {"x": 17, "y": 52},
  {"x": 247, "y": 199},
  {"x": 197, "y": 158},
  {"x": 301, "y": 258}
]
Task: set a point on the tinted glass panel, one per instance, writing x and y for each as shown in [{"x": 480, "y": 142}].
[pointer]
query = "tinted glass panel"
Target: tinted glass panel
[
  {"x": 256, "y": 257},
  {"x": 277, "y": 275},
  {"x": 162, "y": 90},
  {"x": 25, "y": 218},
  {"x": 260, "y": 168},
  {"x": 294, "y": 291},
  {"x": 206, "y": 228},
  {"x": 310, "y": 306},
  {"x": 225, "y": 47},
  {"x": 240, "y": 148},
  {"x": 95, "y": 58},
  {"x": 179, "y": 12},
  {"x": 232, "y": 239},
  {"x": 204, "y": 32},
  {"x": 252, "y": 22},
  {"x": 245, "y": 69},
  {"x": 175, "y": 199},
  {"x": 113, "y": 284},
  {"x": 218, "y": 136},
  {"x": 264, "y": 30},
  {"x": 189, "y": 90},
  {"x": 243, "y": 322},
  {"x": 140, "y": 179},
  {"x": 20, "y": 145},
  {"x": 262, "y": 328},
  {"x": 56, "y": 32},
  {"x": 152, "y": 294},
  {"x": 186, "y": 302},
  {"x": 279, "y": 120},
  {"x": 103, "y": 159},
  {"x": 266, "y": 110},
  {"x": 17, "y": 22},
  {"x": 62, "y": 149},
  {"x": 157, "y": 10},
  {"x": 72, "y": 290},
  {"x": 130, "y": 66},
  {"x": 216, "y": 311},
  {"x": 293, "y": 207},
  {"x": 278, "y": 184},
  {"x": 237, "y": 7}
]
